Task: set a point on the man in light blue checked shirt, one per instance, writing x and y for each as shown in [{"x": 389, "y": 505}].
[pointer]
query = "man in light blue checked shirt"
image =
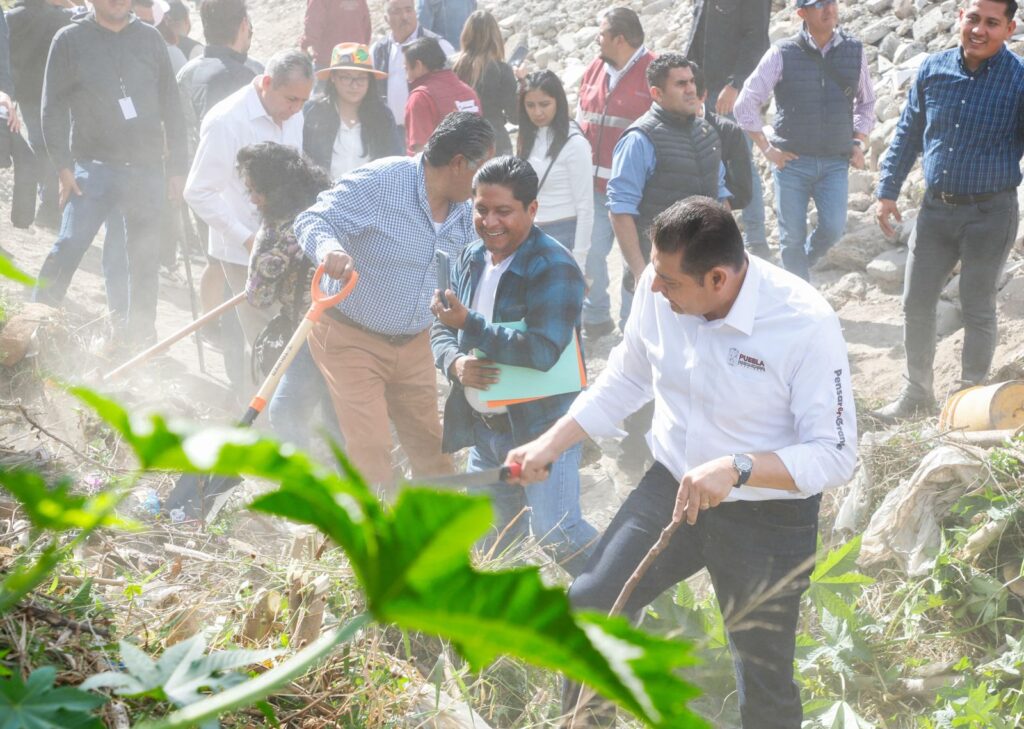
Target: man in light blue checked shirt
[
  {"x": 386, "y": 220},
  {"x": 965, "y": 117}
]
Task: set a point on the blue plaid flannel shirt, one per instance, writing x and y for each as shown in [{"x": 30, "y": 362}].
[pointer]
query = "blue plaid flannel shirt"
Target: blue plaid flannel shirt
[
  {"x": 544, "y": 287},
  {"x": 379, "y": 215},
  {"x": 968, "y": 126}
]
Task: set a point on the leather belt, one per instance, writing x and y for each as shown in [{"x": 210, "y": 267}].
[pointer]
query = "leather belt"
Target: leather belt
[
  {"x": 497, "y": 422},
  {"x": 950, "y": 199},
  {"x": 395, "y": 340}
]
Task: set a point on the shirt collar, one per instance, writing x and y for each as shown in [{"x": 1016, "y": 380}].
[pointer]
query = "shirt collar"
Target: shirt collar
[
  {"x": 616, "y": 74},
  {"x": 744, "y": 308},
  {"x": 254, "y": 106},
  {"x": 985, "y": 65},
  {"x": 835, "y": 40},
  {"x": 412, "y": 36}
]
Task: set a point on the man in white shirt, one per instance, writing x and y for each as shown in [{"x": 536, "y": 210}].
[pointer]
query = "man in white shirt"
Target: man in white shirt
[
  {"x": 753, "y": 419},
  {"x": 267, "y": 110},
  {"x": 388, "y": 56}
]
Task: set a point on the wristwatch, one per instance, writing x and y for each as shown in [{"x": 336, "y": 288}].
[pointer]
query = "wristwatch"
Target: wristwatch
[
  {"x": 743, "y": 464},
  {"x": 859, "y": 143}
]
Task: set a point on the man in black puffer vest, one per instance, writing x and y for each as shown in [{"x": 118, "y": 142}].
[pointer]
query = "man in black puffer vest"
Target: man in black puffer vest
[
  {"x": 670, "y": 153},
  {"x": 826, "y": 110}
]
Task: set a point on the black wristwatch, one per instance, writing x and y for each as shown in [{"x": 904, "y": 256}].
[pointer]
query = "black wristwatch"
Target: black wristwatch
[{"x": 743, "y": 464}]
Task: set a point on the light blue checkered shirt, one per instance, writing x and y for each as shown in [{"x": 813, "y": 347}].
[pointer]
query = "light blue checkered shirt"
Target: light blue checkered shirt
[{"x": 379, "y": 215}]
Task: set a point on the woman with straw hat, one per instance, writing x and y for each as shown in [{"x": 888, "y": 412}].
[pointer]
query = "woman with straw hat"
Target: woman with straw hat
[{"x": 350, "y": 125}]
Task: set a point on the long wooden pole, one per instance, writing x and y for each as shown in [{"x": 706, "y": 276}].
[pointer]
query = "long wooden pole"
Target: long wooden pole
[{"x": 164, "y": 345}]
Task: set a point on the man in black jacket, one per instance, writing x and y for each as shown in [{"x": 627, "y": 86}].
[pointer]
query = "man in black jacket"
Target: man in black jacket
[
  {"x": 727, "y": 39},
  {"x": 110, "y": 90},
  {"x": 33, "y": 23}
]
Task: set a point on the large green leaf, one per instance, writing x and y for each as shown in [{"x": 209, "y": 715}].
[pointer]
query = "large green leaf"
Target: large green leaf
[
  {"x": 9, "y": 270},
  {"x": 36, "y": 704},
  {"x": 413, "y": 563},
  {"x": 835, "y": 583}
]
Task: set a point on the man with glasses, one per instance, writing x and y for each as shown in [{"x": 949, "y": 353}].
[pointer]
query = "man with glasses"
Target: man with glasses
[
  {"x": 965, "y": 117},
  {"x": 826, "y": 110},
  {"x": 387, "y": 220}
]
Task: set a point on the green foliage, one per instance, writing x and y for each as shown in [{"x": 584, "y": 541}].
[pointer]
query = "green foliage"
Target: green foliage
[
  {"x": 839, "y": 715},
  {"x": 36, "y": 704},
  {"x": 57, "y": 511},
  {"x": 835, "y": 583},
  {"x": 413, "y": 563},
  {"x": 182, "y": 675},
  {"x": 9, "y": 270}
]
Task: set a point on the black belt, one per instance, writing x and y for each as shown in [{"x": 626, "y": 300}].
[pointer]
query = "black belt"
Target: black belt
[
  {"x": 950, "y": 199},
  {"x": 498, "y": 422},
  {"x": 396, "y": 340}
]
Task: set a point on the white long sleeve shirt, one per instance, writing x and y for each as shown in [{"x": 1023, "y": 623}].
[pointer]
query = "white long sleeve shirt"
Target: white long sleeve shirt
[
  {"x": 772, "y": 376},
  {"x": 565, "y": 193},
  {"x": 213, "y": 189}
]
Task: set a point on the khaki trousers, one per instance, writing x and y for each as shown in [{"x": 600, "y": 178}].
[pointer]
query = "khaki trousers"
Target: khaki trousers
[{"x": 372, "y": 381}]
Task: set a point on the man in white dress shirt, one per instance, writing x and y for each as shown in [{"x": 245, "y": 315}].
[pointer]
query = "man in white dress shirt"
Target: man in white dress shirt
[
  {"x": 267, "y": 110},
  {"x": 753, "y": 419}
]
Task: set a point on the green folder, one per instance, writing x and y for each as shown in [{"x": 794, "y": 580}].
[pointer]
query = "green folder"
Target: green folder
[{"x": 522, "y": 384}]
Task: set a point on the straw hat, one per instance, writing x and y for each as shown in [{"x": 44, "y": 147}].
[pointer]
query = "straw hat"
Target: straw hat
[{"x": 350, "y": 57}]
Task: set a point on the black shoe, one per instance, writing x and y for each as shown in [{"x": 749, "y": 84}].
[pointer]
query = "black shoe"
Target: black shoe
[
  {"x": 905, "y": 408},
  {"x": 596, "y": 331}
]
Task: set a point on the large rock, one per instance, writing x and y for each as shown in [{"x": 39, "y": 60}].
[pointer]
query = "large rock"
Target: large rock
[
  {"x": 888, "y": 268},
  {"x": 903, "y": 9},
  {"x": 861, "y": 181},
  {"x": 875, "y": 32},
  {"x": 934, "y": 21},
  {"x": 856, "y": 249},
  {"x": 851, "y": 287},
  {"x": 878, "y": 6}
]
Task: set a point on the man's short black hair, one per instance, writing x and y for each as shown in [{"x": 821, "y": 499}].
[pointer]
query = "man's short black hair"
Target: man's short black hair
[
  {"x": 657, "y": 72},
  {"x": 461, "y": 132},
  {"x": 625, "y": 22},
  {"x": 221, "y": 20},
  {"x": 515, "y": 173},
  {"x": 704, "y": 231},
  {"x": 1011, "y": 7},
  {"x": 428, "y": 52}
]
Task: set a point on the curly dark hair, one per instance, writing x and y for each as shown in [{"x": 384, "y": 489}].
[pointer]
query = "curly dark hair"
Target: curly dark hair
[{"x": 286, "y": 179}]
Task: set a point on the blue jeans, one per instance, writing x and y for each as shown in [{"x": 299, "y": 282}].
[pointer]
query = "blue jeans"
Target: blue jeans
[
  {"x": 759, "y": 556},
  {"x": 139, "y": 193},
  {"x": 554, "y": 514},
  {"x": 115, "y": 268},
  {"x": 597, "y": 307},
  {"x": 301, "y": 390},
  {"x": 826, "y": 180},
  {"x": 754, "y": 233},
  {"x": 564, "y": 231}
]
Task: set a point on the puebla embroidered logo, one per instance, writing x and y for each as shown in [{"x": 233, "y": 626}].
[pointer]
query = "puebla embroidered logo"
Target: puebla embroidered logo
[{"x": 738, "y": 359}]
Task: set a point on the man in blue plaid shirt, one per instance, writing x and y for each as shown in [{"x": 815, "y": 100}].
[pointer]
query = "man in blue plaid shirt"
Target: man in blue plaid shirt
[
  {"x": 515, "y": 272},
  {"x": 965, "y": 115},
  {"x": 387, "y": 220}
]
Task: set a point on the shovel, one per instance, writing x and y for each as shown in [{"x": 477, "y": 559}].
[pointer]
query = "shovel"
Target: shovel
[{"x": 192, "y": 491}]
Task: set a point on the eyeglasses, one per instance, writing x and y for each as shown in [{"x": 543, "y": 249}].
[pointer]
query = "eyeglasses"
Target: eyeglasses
[{"x": 357, "y": 80}]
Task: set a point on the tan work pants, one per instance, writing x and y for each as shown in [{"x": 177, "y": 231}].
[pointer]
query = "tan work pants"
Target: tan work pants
[{"x": 372, "y": 380}]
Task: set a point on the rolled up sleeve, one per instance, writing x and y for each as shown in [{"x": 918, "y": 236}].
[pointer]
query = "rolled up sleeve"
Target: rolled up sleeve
[
  {"x": 626, "y": 383},
  {"x": 824, "y": 415},
  {"x": 633, "y": 164}
]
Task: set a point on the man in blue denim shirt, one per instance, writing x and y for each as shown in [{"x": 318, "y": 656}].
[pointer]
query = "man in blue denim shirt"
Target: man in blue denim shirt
[{"x": 514, "y": 273}]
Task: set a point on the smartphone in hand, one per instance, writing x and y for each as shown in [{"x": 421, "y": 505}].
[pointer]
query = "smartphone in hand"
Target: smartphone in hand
[
  {"x": 444, "y": 280},
  {"x": 518, "y": 56}
]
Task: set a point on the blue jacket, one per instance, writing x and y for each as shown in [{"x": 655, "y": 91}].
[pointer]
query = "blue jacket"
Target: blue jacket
[{"x": 544, "y": 287}]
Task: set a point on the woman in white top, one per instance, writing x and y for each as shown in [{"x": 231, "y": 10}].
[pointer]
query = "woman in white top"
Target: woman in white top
[
  {"x": 561, "y": 157},
  {"x": 351, "y": 125}
]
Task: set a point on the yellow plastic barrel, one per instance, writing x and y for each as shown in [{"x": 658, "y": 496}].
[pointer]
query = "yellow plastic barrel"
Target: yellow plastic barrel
[{"x": 993, "y": 407}]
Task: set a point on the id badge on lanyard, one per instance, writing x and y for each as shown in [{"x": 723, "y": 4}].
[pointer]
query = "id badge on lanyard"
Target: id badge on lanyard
[{"x": 126, "y": 103}]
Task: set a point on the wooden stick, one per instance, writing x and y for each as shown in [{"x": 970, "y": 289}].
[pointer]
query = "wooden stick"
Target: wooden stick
[{"x": 164, "y": 345}]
